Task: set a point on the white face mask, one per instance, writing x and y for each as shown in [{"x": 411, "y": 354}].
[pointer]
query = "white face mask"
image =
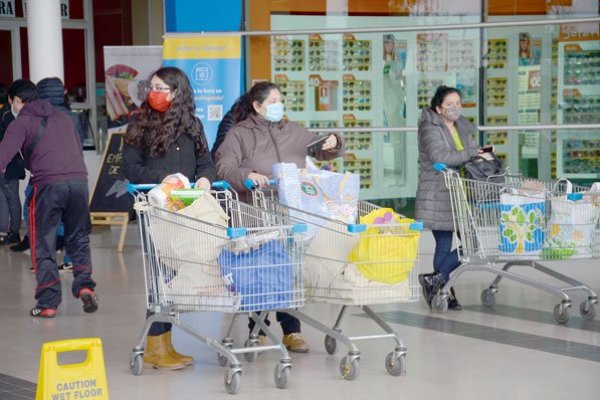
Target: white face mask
[{"x": 274, "y": 112}]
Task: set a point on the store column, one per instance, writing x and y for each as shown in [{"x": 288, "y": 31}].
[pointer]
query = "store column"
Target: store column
[{"x": 44, "y": 33}]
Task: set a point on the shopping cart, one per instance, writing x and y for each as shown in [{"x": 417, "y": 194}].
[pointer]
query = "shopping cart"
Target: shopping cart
[
  {"x": 512, "y": 223},
  {"x": 250, "y": 264},
  {"x": 329, "y": 276}
]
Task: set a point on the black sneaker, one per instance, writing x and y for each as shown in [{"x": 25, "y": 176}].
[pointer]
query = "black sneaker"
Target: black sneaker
[
  {"x": 453, "y": 303},
  {"x": 89, "y": 299},
  {"x": 425, "y": 281},
  {"x": 9, "y": 238},
  {"x": 65, "y": 267},
  {"x": 21, "y": 246}
]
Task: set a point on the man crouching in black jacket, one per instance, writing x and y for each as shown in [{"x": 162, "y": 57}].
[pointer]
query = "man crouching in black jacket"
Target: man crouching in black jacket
[{"x": 52, "y": 151}]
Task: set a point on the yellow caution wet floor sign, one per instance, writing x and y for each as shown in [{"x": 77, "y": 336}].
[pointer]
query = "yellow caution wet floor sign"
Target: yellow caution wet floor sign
[{"x": 83, "y": 381}]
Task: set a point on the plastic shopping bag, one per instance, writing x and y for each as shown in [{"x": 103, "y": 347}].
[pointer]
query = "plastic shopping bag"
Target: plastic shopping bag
[
  {"x": 194, "y": 234},
  {"x": 263, "y": 276},
  {"x": 328, "y": 194},
  {"x": 572, "y": 225},
  {"x": 522, "y": 222},
  {"x": 387, "y": 250}
]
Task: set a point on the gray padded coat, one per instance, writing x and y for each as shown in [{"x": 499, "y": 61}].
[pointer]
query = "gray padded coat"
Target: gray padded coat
[{"x": 436, "y": 145}]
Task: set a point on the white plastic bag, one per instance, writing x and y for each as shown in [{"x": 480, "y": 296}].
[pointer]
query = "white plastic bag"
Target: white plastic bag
[{"x": 572, "y": 225}]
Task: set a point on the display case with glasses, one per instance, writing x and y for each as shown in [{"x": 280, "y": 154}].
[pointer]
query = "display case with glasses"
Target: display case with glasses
[
  {"x": 323, "y": 124},
  {"x": 496, "y": 92},
  {"x": 578, "y": 151},
  {"x": 432, "y": 52},
  {"x": 356, "y": 94},
  {"x": 293, "y": 93},
  {"x": 426, "y": 88},
  {"x": 497, "y": 53},
  {"x": 357, "y": 54},
  {"x": 288, "y": 54},
  {"x": 362, "y": 167},
  {"x": 357, "y": 141},
  {"x": 461, "y": 55},
  {"x": 323, "y": 55}
]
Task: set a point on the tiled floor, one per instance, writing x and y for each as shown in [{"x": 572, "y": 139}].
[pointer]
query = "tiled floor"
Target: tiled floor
[
  {"x": 515, "y": 351},
  {"x": 15, "y": 388}
]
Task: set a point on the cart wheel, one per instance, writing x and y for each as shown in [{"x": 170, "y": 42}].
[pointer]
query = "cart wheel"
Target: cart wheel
[
  {"x": 137, "y": 364},
  {"x": 233, "y": 386},
  {"x": 282, "y": 376},
  {"x": 330, "y": 344},
  {"x": 396, "y": 366},
  {"x": 349, "y": 370},
  {"x": 251, "y": 357},
  {"x": 561, "y": 313},
  {"x": 587, "y": 309},
  {"x": 439, "y": 304},
  {"x": 488, "y": 298}
]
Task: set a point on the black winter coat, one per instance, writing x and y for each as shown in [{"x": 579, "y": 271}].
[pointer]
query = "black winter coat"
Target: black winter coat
[
  {"x": 224, "y": 127},
  {"x": 16, "y": 168},
  {"x": 181, "y": 156}
]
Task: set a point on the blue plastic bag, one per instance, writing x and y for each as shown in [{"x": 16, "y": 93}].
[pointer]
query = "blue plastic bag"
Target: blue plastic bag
[{"x": 263, "y": 276}]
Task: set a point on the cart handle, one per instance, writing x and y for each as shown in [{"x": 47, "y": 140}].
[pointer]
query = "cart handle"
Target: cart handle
[
  {"x": 357, "y": 228},
  {"x": 144, "y": 187},
  {"x": 249, "y": 183},
  {"x": 439, "y": 167}
]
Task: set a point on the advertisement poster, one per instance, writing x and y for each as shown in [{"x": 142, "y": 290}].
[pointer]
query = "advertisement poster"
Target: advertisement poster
[
  {"x": 213, "y": 66},
  {"x": 126, "y": 73}
]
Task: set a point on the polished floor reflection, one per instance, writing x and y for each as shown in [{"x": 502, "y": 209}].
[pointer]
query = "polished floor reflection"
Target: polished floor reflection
[{"x": 515, "y": 351}]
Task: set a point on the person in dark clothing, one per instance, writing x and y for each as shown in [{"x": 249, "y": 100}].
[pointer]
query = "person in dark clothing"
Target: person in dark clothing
[
  {"x": 228, "y": 122},
  {"x": 54, "y": 90},
  {"x": 53, "y": 155},
  {"x": 164, "y": 138},
  {"x": 10, "y": 203}
]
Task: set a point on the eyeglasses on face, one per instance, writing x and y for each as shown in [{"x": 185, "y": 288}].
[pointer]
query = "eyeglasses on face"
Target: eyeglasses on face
[{"x": 156, "y": 88}]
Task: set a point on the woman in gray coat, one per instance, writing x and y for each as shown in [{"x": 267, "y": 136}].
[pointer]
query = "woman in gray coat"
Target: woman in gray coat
[{"x": 445, "y": 137}]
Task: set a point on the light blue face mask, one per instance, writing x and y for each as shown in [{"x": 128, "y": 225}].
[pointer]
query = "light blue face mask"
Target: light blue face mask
[{"x": 274, "y": 112}]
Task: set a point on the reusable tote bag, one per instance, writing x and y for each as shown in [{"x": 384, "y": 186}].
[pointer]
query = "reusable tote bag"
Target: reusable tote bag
[
  {"x": 329, "y": 194},
  {"x": 522, "y": 222}
]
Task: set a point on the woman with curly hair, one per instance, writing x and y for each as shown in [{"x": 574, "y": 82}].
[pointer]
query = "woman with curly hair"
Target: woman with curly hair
[{"x": 163, "y": 138}]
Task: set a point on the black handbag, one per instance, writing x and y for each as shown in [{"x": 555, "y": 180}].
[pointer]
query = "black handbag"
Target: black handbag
[{"x": 485, "y": 167}]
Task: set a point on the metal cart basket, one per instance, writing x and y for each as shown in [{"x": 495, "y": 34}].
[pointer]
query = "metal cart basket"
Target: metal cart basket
[
  {"x": 354, "y": 265},
  {"x": 522, "y": 222},
  {"x": 250, "y": 264}
]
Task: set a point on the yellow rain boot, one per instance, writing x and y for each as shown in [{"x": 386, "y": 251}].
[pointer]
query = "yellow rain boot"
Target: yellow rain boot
[
  {"x": 187, "y": 360},
  {"x": 157, "y": 355}
]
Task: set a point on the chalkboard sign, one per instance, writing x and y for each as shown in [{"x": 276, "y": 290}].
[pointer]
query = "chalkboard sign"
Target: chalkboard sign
[{"x": 109, "y": 193}]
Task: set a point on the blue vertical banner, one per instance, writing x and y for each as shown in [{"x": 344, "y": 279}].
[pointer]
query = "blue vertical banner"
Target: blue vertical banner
[{"x": 213, "y": 66}]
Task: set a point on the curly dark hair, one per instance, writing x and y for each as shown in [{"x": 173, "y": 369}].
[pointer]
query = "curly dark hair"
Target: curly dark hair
[
  {"x": 154, "y": 131},
  {"x": 243, "y": 107}
]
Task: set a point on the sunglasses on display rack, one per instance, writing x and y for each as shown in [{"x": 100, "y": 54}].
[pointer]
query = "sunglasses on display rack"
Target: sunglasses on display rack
[{"x": 323, "y": 124}]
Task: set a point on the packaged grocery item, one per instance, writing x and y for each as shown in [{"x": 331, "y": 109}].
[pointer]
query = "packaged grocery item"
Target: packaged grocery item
[
  {"x": 160, "y": 196},
  {"x": 181, "y": 198}
]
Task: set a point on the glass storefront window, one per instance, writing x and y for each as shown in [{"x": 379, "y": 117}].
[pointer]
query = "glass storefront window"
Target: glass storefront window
[{"x": 509, "y": 76}]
